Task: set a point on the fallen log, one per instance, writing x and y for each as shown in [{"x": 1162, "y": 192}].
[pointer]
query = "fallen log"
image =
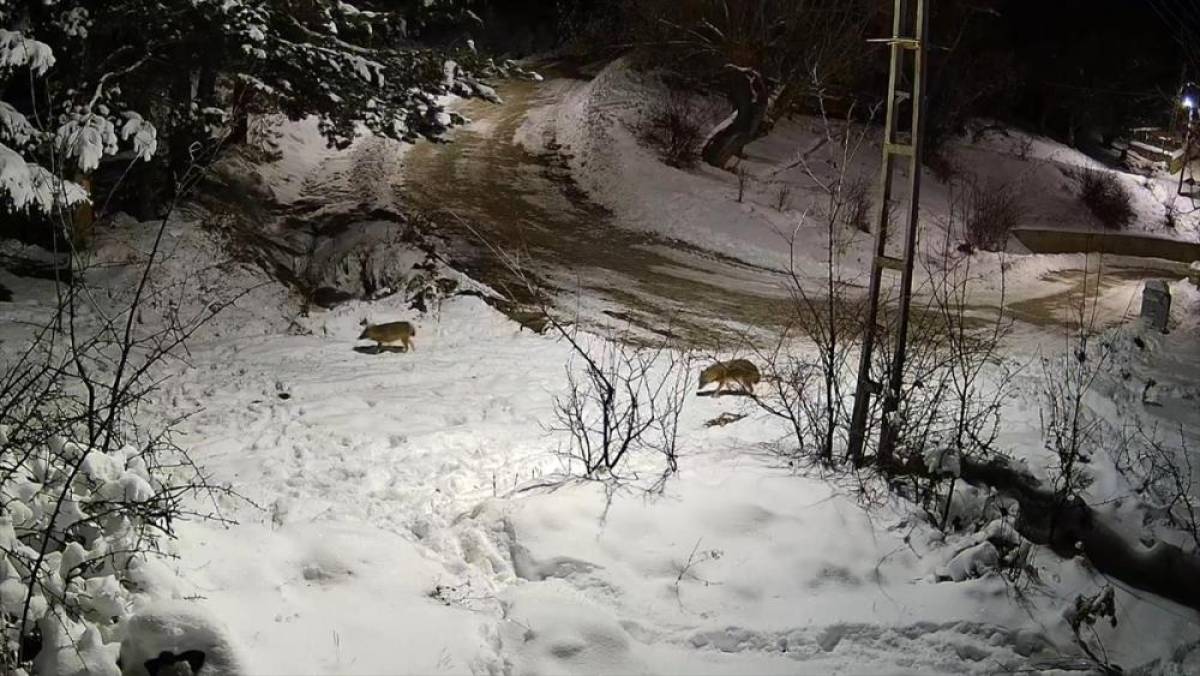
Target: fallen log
[{"x": 1072, "y": 527}]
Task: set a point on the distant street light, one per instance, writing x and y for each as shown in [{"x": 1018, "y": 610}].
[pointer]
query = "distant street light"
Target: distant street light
[{"x": 1189, "y": 97}]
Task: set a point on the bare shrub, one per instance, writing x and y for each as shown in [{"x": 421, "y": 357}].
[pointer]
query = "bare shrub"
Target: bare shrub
[
  {"x": 1083, "y": 615},
  {"x": 991, "y": 209},
  {"x": 1105, "y": 196},
  {"x": 808, "y": 390},
  {"x": 623, "y": 397},
  {"x": 1163, "y": 475},
  {"x": 89, "y": 494},
  {"x": 856, "y": 204},
  {"x": 955, "y": 382},
  {"x": 783, "y": 198},
  {"x": 743, "y": 180},
  {"x": 1170, "y": 212},
  {"x": 674, "y": 129},
  {"x": 620, "y": 401}
]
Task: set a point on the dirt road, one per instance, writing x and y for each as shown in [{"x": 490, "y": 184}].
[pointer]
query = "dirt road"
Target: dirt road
[
  {"x": 485, "y": 186},
  {"x": 528, "y": 206}
]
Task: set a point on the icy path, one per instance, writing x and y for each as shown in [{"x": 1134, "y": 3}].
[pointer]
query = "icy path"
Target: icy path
[{"x": 528, "y": 204}]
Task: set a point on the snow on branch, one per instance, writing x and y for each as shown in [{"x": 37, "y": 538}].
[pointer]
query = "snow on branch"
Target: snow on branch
[
  {"x": 15, "y": 127},
  {"x": 16, "y": 51},
  {"x": 87, "y": 139},
  {"x": 31, "y": 187}
]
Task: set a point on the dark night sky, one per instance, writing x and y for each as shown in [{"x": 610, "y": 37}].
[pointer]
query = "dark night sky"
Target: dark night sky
[{"x": 1103, "y": 57}]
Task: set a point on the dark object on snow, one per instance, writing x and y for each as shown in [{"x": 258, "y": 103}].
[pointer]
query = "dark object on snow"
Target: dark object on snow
[
  {"x": 24, "y": 266},
  {"x": 726, "y": 393},
  {"x": 725, "y": 419},
  {"x": 378, "y": 349},
  {"x": 187, "y": 663},
  {"x": 1149, "y": 394},
  {"x": 1070, "y": 527},
  {"x": 1156, "y": 304}
]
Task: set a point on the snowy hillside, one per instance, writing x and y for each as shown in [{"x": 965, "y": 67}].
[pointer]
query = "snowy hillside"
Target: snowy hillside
[{"x": 594, "y": 124}]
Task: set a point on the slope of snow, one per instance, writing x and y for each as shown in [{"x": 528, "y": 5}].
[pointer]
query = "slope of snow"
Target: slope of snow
[{"x": 593, "y": 125}]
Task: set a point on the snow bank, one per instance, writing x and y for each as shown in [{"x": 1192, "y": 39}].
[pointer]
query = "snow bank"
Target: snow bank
[{"x": 179, "y": 627}]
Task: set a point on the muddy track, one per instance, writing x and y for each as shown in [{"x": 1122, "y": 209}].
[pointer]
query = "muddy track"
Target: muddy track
[
  {"x": 483, "y": 186},
  {"x": 529, "y": 206}
]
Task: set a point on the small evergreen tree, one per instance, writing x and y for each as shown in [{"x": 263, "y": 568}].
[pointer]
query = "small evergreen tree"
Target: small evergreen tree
[{"x": 164, "y": 78}]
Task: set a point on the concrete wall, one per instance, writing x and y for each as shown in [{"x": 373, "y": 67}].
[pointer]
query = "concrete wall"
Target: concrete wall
[{"x": 1114, "y": 243}]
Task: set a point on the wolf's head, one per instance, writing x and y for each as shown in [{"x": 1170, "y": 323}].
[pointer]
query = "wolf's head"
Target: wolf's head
[{"x": 711, "y": 374}]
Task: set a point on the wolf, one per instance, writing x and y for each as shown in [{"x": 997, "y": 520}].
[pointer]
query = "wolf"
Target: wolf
[
  {"x": 391, "y": 334},
  {"x": 740, "y": 371}
]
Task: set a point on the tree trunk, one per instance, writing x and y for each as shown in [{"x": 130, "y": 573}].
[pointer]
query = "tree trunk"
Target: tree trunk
[
  {"x": 239, "y": 111},
  {"x": 1071, "y": 528},
  {"x": 83, "y": 216},
  {"x": 748, "y": 94}
]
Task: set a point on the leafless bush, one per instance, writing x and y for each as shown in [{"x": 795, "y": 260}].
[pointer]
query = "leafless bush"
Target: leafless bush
[
  {"x": 1170, "y": 212},
  {"x": 807, "y": 388},
  {"x": 620, "y": 401},
  {"x": 955, "y": 382},
  {"x": 1070, "y": 430},
  {"x": 674, "y": 129},
  {"x": 1163, "y": 476},
  {"x": 1105, "y": 196},
  {"x": 783, "y": 198},
  {"x": 991, "y": 209},
  {"x": 623, "y": 398},
  {"x": 743, "y": 180},
  {"x": 88, "y": 493},
  {"x": 1083, "y": 615},
  {"x": 856, "y": 204}
]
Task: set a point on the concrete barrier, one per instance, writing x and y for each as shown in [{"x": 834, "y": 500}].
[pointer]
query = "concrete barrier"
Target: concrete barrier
[{"x": 1114, "y": 243}]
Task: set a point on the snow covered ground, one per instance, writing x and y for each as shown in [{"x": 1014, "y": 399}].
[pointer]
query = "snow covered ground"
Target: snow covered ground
[
  {"x": 394, "y": 523},
  {"x": 385, "y": 535}
]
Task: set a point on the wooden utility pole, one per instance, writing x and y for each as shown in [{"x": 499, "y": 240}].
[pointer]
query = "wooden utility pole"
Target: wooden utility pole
[{"x": 909, "y": 49}]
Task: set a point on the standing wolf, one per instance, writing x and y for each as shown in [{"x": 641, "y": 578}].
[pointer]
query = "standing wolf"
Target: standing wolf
[
  {"x": 740, "y": 371},
  {"x": 391, "y": 334}
]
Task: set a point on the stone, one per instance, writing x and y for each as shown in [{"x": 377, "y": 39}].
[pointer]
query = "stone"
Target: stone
[{"x": 1156, "y": 305}]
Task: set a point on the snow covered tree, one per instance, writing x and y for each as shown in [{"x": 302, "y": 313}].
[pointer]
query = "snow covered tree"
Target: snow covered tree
[
  {"x": 764, "y": 55},
  {"x": 195, "y": 69},
  {"x": 41, "y": 148}
]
